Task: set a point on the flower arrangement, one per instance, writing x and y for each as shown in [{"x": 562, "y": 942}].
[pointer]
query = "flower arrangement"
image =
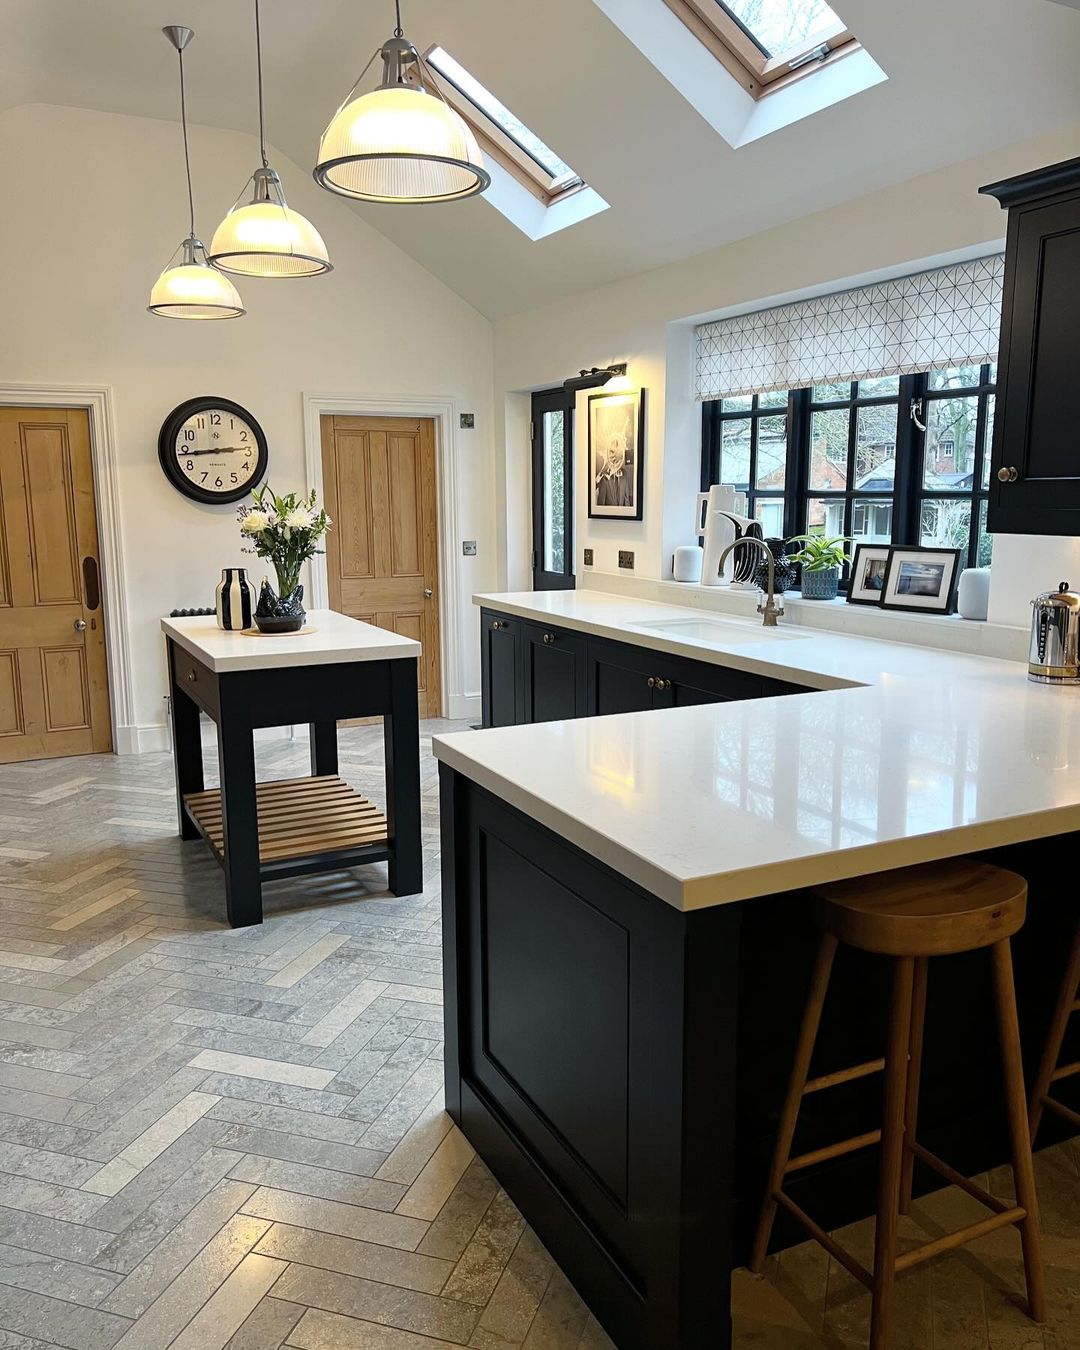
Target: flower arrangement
[{"x": 286, "y": 530}]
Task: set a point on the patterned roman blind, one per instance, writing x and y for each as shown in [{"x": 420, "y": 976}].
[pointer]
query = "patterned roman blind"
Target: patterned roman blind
[{"x": 947, "y": 317}]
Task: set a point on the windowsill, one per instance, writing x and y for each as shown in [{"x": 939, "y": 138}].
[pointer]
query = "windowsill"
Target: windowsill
[{"x": 950, "y": 632}]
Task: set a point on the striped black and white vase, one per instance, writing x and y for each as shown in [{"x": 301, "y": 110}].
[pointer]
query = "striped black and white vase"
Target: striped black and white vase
[{"x": 235, "y": 599}]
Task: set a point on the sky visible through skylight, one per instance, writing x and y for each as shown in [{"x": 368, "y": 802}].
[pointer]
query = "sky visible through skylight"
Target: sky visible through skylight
[
  {"x": 779, "y": 25},
  {"x": 562, "y": 174}
]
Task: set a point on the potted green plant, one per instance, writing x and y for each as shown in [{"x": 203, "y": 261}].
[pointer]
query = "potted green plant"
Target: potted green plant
[{"x": 821, "y": 559}]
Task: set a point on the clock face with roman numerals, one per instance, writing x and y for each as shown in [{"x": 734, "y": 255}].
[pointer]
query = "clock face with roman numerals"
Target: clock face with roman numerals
[{"x": 212, "y": 450}]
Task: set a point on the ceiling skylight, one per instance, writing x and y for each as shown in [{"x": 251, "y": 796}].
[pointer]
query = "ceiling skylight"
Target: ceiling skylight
[
  {"x": 778, "y": 26},
  {"x": 560, "y": 175}
]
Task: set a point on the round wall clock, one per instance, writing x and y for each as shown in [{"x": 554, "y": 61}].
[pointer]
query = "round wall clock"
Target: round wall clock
[{"x": 212, "y": 450}]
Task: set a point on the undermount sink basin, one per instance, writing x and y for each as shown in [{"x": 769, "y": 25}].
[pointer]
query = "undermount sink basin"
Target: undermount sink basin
[{"x": 717, "y": 630}]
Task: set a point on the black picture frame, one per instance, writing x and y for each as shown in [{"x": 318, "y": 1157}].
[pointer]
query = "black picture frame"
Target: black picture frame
[
  {"x": 167, "y": 451},
  {"x": 859, "y": 595},
  {"x": 634, "y": 400},
  {"x": 902, "y": 553}
]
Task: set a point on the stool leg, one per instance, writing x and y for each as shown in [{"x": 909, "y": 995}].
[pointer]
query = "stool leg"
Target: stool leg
[
  {"x": 819, "y": 984},
  {"x": 892, "y": 1152},
  {"x": 1016, "y": 1106},
  {"x": 1055, "y": 1037},
  {"x": 911, "y": 1100}
]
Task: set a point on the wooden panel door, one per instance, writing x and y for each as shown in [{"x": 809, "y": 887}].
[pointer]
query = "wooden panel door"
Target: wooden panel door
[
  {"x": 382, "y": 554},
  {"x": 54, "y": 691}
]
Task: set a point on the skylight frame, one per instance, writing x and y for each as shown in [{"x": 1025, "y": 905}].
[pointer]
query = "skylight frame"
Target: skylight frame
[
  {"x": 497, "y": 141},
  {"x": 735, "y": 47}
]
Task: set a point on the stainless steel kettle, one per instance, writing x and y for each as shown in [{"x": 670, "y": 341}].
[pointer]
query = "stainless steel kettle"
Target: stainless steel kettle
[{"x": 1053, "y": 657}]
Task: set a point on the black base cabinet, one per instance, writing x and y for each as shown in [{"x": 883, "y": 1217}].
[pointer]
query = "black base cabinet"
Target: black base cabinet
[
  {"x": 540, "y": 673},
  {"x": 536, "y": 672}
]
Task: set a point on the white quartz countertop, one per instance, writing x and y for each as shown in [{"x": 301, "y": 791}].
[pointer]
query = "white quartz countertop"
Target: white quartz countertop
[
  {"x": 907, "y": 755},
  {"x": 334, "y": 638}
]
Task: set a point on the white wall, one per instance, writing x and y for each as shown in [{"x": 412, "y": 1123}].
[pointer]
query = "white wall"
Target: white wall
[
  {"x": 94, "y": 205},
  {"x": 638, "y": 321}
]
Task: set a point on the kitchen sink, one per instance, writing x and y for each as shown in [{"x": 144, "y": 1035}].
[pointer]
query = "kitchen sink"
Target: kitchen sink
[{"x": 718, "y": 630}]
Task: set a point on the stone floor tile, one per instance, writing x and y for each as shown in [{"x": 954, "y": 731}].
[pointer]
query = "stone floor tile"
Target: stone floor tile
[
  {"x": 409, "y": 1270},
  {"x": 387, "y": 1305}
]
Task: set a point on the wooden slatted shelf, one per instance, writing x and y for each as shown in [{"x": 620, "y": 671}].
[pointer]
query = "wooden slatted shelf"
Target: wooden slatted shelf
[{"x": 298, "y": 818}]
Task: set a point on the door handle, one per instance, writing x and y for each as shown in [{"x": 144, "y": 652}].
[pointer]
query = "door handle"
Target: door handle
[
  {"x": 1007, "y": 474},
  {"x": 428, "y": 593},
  {"x": 79, "y": 625}
]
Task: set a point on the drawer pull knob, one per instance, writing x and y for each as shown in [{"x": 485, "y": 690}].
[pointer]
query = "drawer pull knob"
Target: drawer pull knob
[
  {"x": 549, "y": 638},
  {"x": 1007, "y": 474},
  {"x": 652, "y": 681},
  {"x": 663, "y": 684},
  {"x": 497, "y": 624},
  {"x": 192, "y": 676}
]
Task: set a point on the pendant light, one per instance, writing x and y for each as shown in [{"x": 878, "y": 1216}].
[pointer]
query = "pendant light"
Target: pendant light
[
  {"x": 191, "y": 289},
  {"x": 264, "y": 237},
  {"x": 401, "y": 142}
]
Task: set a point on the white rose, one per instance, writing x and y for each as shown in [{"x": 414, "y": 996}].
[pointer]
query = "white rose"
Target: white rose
[
  {"x": 298, "y": 519},
  {"x": 255, "y": 522}
]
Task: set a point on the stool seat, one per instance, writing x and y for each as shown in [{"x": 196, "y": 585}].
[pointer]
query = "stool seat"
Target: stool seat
[{"x": 935, "y": 909}]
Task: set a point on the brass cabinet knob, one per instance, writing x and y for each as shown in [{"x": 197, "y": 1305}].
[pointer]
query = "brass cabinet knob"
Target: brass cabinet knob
[
  {"x": 652, "y": 681},
  {"x": 192, "y": 677},
  {"x": 497, "y": 624},
  {"x": 549, "y": 638},
  {"x": 663, "y": 684},
  {"x": 1007, "y": 474}
]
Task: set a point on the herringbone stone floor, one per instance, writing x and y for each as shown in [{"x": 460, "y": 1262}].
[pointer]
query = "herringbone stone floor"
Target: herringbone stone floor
[{"x": 218, "y": 1139}]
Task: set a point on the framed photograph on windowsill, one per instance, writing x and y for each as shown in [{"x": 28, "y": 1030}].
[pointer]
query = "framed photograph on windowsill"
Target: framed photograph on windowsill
[
  {"x": 866, "y": 585},
  {"x": 617, "y": 455},
  {"x": 922, "y": 580}
]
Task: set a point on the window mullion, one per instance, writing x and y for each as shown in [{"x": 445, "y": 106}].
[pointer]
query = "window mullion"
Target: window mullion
[
  {"x": 909, "y": 461},
  {"x": 797, "y": 479}
]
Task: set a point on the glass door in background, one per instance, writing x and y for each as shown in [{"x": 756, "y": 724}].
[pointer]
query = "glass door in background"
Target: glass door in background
[{"x": 553, "y": 490}]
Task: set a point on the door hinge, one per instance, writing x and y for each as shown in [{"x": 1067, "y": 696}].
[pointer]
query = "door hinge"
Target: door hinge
[
  {"x": 532, "y": 431},
  {"x": 534, "y": 560}
]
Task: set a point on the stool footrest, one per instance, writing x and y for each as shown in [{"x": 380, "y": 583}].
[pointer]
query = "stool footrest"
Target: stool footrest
[
  {"x": 829, "y": 1080},
  {"x": 1065, "y": 1071},
  {"x": 832, "y": 1151},
  {"x": 825, "y": 1239},
  {"x": 955, "y": 1178},
  {"x": 1073, "y": 1117},
  {"x": 917, "y": 1255}
]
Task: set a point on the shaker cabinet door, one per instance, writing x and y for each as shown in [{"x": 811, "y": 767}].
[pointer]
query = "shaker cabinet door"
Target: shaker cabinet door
[
  {"x": 1035, "y": 461},
  {"x": 500, "y": 651},
  {"x": 553, "y": 674}
]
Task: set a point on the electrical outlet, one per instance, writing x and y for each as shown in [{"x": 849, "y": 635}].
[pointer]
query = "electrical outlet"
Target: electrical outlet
[
  {"x": 467, "y": 421},
  {"x": 468, "y": 548},
  {"x": 626, "y": 558},
  {"x": 588, "y": 557}
]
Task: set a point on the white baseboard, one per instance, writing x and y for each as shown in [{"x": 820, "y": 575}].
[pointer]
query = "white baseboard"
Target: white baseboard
[{"x": 464, "y": 707}]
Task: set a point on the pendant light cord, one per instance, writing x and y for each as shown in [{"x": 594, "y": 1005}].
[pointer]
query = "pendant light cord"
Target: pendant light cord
[
  {"x": 398, "y": 31},
  {"x": 258, "y": 60},
  {"x": 187, "y": 153}
]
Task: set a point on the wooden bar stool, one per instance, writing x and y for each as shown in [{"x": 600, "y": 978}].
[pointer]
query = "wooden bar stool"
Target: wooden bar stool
[
  {"x": 911, "y": 915},
  {"x": 1050, "y": 1071}
]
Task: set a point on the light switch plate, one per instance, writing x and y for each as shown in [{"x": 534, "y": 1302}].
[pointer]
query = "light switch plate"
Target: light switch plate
[
  {"x": 468, "y": 548},
  {"x": 626, "y": 558},
  {"x": 467, "y": 421},
  {"x": 588, "y": 557}
]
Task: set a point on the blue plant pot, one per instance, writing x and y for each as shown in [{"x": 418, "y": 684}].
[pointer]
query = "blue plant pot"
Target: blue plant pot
[{"x": 820, "y": 585}]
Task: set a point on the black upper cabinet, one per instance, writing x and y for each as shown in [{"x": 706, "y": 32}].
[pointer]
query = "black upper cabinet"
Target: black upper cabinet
[
  {"x": 553, "y": 674},
  {"x": 1035, "y": 463},
  {"x": 500, "y": 654}
]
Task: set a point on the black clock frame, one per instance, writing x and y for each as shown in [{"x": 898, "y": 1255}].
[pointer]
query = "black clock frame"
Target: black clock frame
[{"x": 167, "y": 450}]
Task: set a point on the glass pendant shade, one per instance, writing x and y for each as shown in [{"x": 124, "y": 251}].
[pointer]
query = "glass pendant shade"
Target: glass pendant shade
[
  {"x": 400, "y": 143},
  {"x": 192, "y": 289},
  {"x": 265, "y": 238}
]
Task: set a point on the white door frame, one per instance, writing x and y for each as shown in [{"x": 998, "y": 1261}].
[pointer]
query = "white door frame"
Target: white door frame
[
  {"x": 98, "y": 403},
  {"x": 443, "y": 411}
]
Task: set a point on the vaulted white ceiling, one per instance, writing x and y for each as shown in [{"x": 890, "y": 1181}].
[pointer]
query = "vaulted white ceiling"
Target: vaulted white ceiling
[{"x": 964, "y": 76}]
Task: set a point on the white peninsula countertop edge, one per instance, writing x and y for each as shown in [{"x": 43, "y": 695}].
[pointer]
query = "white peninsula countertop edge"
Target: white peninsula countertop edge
[{"x": 908, "y": 754}]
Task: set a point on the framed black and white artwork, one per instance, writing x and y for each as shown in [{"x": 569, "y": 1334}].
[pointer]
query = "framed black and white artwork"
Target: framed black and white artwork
[
  {"x": 866, "y": 585},
  {"x": 922, "y": 580},
  {"x": 617, "y": 455}
]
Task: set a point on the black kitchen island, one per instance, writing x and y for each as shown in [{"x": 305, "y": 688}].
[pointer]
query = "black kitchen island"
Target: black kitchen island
[
  {"x": 337, "y": 668},
  {"x": 629, "y": 936}
]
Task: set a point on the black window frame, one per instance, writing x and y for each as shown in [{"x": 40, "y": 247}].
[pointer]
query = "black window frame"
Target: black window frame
[
  {"x": 909, "y": 494},
  {"x": 563, "y": 402}
]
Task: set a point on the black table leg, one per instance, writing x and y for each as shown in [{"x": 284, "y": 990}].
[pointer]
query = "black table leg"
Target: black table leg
[
  {"x": 401, "y": 737},
  {"x": 240, "y": 821},
  {"x": 187, "y": 751},
  {"x": 323, "y": 737}
]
